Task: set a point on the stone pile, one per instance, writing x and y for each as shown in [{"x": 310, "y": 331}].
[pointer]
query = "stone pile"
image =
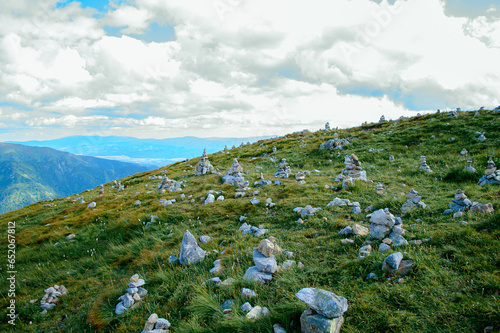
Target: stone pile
[
  {"x": 325, "y": 313},
  {"x": 203, "y": 167},
  {"x": 283, "y": 170},
  {"x": 481, "y": 138},
  {"x": 339, "y": 202},
  {"x": 51, "y": 297},
  {"x": 306, "y": 211},
  {"x": 379, "y": 189},
  {"x": 168, "y": 184},
  {"x": 491, "y": 174},
  {"x": 327, "y": 127},
  {"x": 469, "y": 167},
  {"x": 391, "y": 158},
  {"x": 413, "y": 201},
  {"x": 135, "y": 293},
  {"x": 118, "y": 185},
  {"x": 191, "y": 253},
  {"x": 353, "y": 169},
  {"x": 334, "y": 143},
  {"x": 464, "y": 152},
  {"x": 460, "y": 204},
  {"x": 384, "y": 224},
  {"x": 156, "y": 325},
  {"x": 300, "y": 177},
  {"x": 235, "y": 177},
  {"x": 101, "y": 189},
  {"x": 265, "y": 262},
  {"x": 423, "y": 164},
  {"x": 247, "y": 229}
]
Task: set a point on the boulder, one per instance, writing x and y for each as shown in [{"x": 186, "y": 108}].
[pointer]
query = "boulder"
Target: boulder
[
  {"x": 323, "y": 302},
  {"x": 191, "y": 253}
]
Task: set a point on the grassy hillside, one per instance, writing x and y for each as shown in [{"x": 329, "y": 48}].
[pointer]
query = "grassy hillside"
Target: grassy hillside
[
  {"x": 30, "y": 174},
  {"x": 454, "y": 285}
]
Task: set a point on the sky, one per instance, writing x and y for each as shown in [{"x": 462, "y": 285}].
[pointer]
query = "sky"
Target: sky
[{"x": 239, "y": 68}]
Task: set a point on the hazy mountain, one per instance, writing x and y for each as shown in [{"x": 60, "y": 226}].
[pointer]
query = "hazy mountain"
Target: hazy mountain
[
  {"x": 30, "y": 174},
  {"x": 150, "y": 152}
]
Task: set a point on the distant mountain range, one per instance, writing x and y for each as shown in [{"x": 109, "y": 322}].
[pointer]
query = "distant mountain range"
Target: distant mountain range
[
  {"x": 153, "y": 153},
  {"x": 29, "y": 174}
]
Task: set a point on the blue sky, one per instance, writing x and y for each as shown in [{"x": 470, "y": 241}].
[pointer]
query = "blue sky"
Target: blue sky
[{"x": 239, "y": 68}]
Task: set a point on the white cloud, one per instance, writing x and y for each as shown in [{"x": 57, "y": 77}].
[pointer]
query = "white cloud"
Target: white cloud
[{"x": 243, "y": 67}]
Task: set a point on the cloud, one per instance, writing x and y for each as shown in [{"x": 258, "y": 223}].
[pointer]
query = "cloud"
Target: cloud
[{"x": 237, "y": 68}]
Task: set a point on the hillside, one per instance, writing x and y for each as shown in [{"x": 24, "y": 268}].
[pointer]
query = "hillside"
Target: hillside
[
  {"x": 30, "y": 174},
  {"x": 452, "y": 286},
  {"x": 151, "y": 152}
]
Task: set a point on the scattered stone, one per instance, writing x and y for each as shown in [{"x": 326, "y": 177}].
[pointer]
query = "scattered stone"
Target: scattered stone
[
  {"x": 356, "y": 209},
  {"x": 257, "y": 312},
  {"x": 481, "y": 138},
  {"x": 335, "y": 143},
  {"x": 191, "y": 253},
  {"x": 414, "y": 201},
  {"x": 391, "y": 158},
  {"x": 217, "y": 267},
  {"x": 365, "y": 251},
  {"x": 156, "y": 325},
  {"x": 346, "y": 231},
  {"x": 397, "y": 240},
  {"x": 480, "y": 208},
  {"x": 392, "y": 261},
  {"x": 246, "y": 307},
  {"x": 51, "y": 297},
  {"x": 245, "y": 292},
  {"x": 339, "y": 202},
  {"x": 379, "y": 189},
  {"x": 306, "y": 211},
  {"x": 263, "y": 263},
  {"x": 277, "y": 327},
  {"x": 173, "y": 260},
  {"x": 235, "y": 176},
  {"x": 70, "y": 237},
  {"x": 137, "y": 203},
  {"x": 347, "y": 241},
  {"x": 203, "y": 167},
  {"x": 205, "y": 239},
  {"x": 464, "y": 152},
  {"x": 91, "y": 205},
  {"x": 383, "y": 247},
  {"x": 371, "y": 276}
]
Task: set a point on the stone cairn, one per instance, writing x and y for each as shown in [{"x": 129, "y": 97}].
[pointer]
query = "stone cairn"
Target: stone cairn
[
  {"x": 464, "y": 152},
  {"x": 168, "y": 184},
  {"x": 353, "y": 170},
  {"x": 284, "y": 170},
  {"x": 235, "y": 177},
  {"x": 382, "y": 119},
  {"x": 203, "y": 166},
  {"x": 384, "y": 224},
  {"x": 101, "y": 189},
  {"x": 325, "y": 313},
  {"x": 469, "y": 167},
  {"x": 379, "y": 189},
  {"x": 391, "y": 158},
  {"x": 481, "y": 138},
  {"x": 327, "y": 127},
  {"x": 118, "y": 185},
  {"x": 135, "y": 293},
  {"x": 459, "y": 204},
  {"x": 334, "y": 143},
  {"x": 491, "y": 174},
  {"x": 50, "y": 298},
  {"x": 156, "y": 325},
  {"x": 423, "y": 164},
  {"x": 414, "y": 201},
  {"x": 265, "y": 261}
]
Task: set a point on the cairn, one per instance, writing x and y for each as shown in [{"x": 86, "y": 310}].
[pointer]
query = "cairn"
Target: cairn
[
  {"x": 335, "y": 143},
  {"x": 235, "y": 176},
  {"x": 156, "y": 325},
  {"x": 413, "y": 201},
  {"x": 265, "y": 262},
  {"x": 459, "y": 204},
  {"x": 391, "y": 158},
  {"x": 353, "y": 168},
  {"x": 382, "y": 119},
  {"x": 168, "y": 184},
  {"x": 423, "y": 164},
  {"x": 491, "y": 174},
  {"x": 50, "y": 298},
  {"x": 325, "y": 310},
  {"x": 379, "y": 189},
  {"x": 284, "y": 170},
  {"x": 135, "y": 293},
  {"x": 464, "y": 152},
  {"x": 101, "y": 189},
  {"x": 203, "y": 166},
  {"x": 327, "y": 127},
  {"x": 118, "y": 185},
  {"x": 469, "y": 167},
  {"x": 481, "y": 138}
]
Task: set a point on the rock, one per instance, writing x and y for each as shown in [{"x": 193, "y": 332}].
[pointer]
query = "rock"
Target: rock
[
  {"x": 134, "y": 278},
  {"x": 263, "y": 263},
  {"x": 168, "y": 184},
  {"x": 268, "y": 248},
  {"x": 346, "y": 231},
  {"x": 415, "y": 242},
  {"x": 365, "y": 250},
  {"x": 382, "y": 218},
  {"x": 311, "y": 322},
  {"x": 359, "y": 230},
  {"x": 245, "y": 292},
  {"x": 397, "y": 240},
  {"x": 220, "y": 198},
  {"x": 120, "y": 308},
  {"x": 392, "y": 261},
  {"x": 70, "y": 237},
  {"x": 480, "y": 208},
  {"x": 150, "y": 324},
  {"x": 254, "y": 275},
  {"x": 246, "y": 307},
  {"x": 379, "y": 231},
  {"x": 91, "y": 205},
  {"x": 347, "y": 241},
  {"x": 338, "y": 202},
  {"x": 173, "y": 260},
  {"x": 191, "y": 253},
  {"x": 217, "y": 267},
  {"x": 383, "y": 247},
  {"x": 405, "y": 267},
  {"x": 142, "y": 292},
  {"x": 210, "y": 199},
  {"x": 398, "y": 230},
  {"x": 254, "y": 201},
  {"x": 288, "y": 264},
  {"x": 128, "y": 300},
  {"x": 205, "y": 239},
  {"x": 371, "y": 276},
  {"x": 227, "y": 304},
  {"x": 137, "y": 284},
  {"x": 137, "y": 203},
  {"x": 323, "y": 302},
  {"x": 257, "y": 312},
  {"x": 278, "y": 329},
  {"x": 162, "y": 324},
  {"x": 228, "y": 282},
  {"x": 203, "y": 167}
]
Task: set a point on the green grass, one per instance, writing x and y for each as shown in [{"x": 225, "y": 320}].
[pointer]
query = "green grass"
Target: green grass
[{"x": 454, "y": 286}]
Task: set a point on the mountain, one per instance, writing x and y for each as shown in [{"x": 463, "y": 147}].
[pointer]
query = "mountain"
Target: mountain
[
  {"x": 152, "y": 152},
  {"x": 448, "y": 280},
  {"x": 30, "y": 174}
]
